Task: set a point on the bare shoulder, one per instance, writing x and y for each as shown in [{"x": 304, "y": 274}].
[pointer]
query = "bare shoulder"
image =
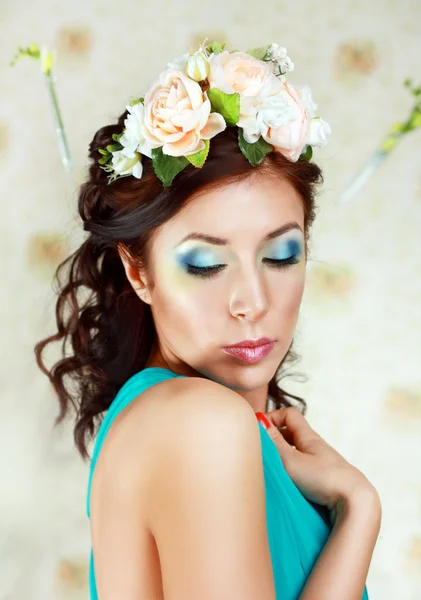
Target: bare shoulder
[
  {"x": 177, "y": 411},
  {"x": 186, "y": 460},
  {"x": 206, "y": 496},
  {"x": 163, "y": 415},
  {"x": 198, "y": 423},
  {"x": 190, "y": 399}
]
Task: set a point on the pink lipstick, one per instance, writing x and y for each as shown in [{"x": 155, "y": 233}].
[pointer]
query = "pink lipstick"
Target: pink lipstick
[{"x": 250, "y": 351}]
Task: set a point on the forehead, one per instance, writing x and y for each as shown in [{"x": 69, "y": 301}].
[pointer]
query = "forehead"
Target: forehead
[{"x": 250, "y": 208}]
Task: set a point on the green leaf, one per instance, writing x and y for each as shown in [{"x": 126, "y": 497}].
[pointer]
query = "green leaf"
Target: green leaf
[
  {"x": 198, "y": 158},
  {"x": 114, "y": 147},
  {"x": 137, "y": 101},
  {"x": 104, "y": 159},
  {"x": 116, "y": 136},
  {"x": 415, "y": 120},
  {"x": 102, "y": 151},
  {"x": 167, "y": 167},
  {"x": 228, "y": 105},
  {"x": 307, "y": 154},
  {"x": 32, "y": 51},
  {"x": 259, "y": 53},
  {"x": 256, "y": 152},
  {"x": 215, "y": 47}
]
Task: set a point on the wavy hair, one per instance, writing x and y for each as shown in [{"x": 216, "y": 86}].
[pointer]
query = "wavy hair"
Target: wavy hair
[{"x": 110, "y": 330}]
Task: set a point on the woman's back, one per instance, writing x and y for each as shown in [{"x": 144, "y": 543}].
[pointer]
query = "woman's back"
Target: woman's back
[{"x": 292, "y": 529}]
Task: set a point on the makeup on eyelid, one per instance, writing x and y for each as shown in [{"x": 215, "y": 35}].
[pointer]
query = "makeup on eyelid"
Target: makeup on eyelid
[{"x": 201, "y": 256}]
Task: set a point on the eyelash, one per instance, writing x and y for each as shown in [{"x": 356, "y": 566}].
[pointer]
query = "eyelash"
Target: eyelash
[{"x": 208, "y": 272}]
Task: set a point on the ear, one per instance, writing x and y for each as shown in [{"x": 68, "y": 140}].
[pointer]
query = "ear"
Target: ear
[{"x": 136, "y": 276}]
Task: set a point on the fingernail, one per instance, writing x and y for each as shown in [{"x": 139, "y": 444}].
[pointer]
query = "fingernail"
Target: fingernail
[{"x": 263, "y": 420}]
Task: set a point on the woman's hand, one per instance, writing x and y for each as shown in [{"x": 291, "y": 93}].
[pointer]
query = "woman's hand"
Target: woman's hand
[{"x": 316, "y": 468}]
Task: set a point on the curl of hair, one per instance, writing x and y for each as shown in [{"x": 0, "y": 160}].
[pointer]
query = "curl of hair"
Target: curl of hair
[{"x": 109, "y": 329}]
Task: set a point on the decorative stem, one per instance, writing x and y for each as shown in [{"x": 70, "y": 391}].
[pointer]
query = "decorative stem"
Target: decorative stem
[
  {"x": 389, "y": 143},
  {"x": 61, "y": 136}
]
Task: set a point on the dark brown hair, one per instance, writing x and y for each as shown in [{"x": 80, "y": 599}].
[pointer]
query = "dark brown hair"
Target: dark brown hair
[{"x": 110, "y": 330}]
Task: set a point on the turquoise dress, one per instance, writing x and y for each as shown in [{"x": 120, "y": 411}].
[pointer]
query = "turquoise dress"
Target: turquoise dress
[{"x": 297, "y": 528}]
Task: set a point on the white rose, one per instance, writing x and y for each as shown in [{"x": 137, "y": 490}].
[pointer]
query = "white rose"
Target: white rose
[
  {"x": 274, "y": 111},
  {"x": 319, "y": 129},
  {"x": 134, "y": 136},
  {"x": 247, "y": 120},
  {"x": 179, "y": 64},
  {"x": 127, "y": 163}
]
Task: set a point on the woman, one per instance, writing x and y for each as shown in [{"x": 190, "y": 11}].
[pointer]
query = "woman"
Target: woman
[{"x": 195, "y": 267}]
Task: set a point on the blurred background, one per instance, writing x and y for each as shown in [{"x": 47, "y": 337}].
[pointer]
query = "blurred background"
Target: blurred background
[{"x": 359, "y": 332}]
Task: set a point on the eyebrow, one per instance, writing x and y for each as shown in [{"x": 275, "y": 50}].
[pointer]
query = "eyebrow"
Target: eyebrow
[{"x": 217, "y": 241}]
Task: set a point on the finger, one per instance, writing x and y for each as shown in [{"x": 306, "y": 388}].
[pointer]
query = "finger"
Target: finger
[
  {"x": 291, "y": 418},
  {"x": 287, "y": 435},
  {"x": 299, "y": 432},
  {"x": 281, "y": 443}
]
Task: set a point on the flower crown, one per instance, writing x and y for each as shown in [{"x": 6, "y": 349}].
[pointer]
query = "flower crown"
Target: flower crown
[{"x": 202, "y": 93}]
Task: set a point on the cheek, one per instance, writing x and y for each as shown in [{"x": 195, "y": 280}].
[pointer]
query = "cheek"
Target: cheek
[
  {"x": 181, "y": 297},
  {"x": 288, "y": 299}
]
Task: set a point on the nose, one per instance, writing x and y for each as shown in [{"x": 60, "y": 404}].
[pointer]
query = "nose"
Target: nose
[{"x": 249, "y": 298}]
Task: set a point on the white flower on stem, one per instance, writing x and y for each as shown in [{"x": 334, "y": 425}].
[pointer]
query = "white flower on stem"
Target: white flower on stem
[
  {"x": 127, "y": 163},
  {"x": 197, "y": 66},
  {"x": 286, "y": 65},
  {"x": 277, "y": 52},
  {"x": 319, "y": 130},
  {"x": 278, "y": 55},
  {"x": 134, "y": 136}
]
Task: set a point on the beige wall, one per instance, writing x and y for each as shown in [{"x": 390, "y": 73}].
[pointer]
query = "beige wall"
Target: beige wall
[{"x": 360, "y": 327}]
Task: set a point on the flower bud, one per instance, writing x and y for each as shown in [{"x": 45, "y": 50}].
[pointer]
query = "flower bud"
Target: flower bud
[
  {"x": 46, "y": 58},
  {"x": 197, "y": 66}
]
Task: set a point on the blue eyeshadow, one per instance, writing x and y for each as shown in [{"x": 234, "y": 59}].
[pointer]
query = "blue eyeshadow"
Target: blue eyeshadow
[
  {"x": 288, "y": 249},
  {"x": 198, "y": 258},
  {"x": 203, "y": 257}
]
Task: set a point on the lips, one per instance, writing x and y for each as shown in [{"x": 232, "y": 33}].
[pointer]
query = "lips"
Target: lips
[
  {"x": 250, "y": 354},
  {"x": 251, "y": 343}
]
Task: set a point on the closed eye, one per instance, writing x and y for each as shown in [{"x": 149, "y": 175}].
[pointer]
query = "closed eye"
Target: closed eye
[{"x": 211, "y": 271}]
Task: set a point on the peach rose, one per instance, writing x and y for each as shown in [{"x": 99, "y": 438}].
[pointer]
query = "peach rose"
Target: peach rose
[
  {"x": 242, "y": 73},
  {"x": 253, "y": 79},
  {"x": 177, "y": 115},
  {"x": 284, "y": 120}
]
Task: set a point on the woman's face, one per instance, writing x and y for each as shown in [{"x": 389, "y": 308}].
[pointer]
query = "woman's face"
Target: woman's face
[{"x": 245, "y": 281}]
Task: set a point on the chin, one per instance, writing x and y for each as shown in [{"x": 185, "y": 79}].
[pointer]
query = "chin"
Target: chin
[{"x": 245, "y": 377}]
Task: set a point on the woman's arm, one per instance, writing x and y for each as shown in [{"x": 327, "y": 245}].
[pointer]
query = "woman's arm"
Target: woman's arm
[
  {"x": 342, "y": 567},
  {"x": 207, "y": 500}
]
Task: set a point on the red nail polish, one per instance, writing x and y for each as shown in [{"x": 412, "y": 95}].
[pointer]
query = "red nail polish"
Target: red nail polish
[{"x": 263, "y": 420}]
